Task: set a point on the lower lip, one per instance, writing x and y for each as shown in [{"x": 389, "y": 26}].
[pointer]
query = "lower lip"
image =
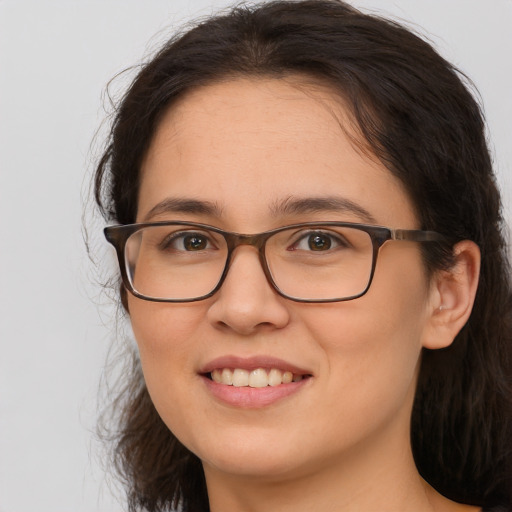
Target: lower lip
[{"x": 253, "y": 398}]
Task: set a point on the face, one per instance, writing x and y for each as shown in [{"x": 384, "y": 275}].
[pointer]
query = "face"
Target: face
[{"x": 243, "y": 150}]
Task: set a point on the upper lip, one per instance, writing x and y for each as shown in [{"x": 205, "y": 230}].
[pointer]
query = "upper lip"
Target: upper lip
[{"x": 252, "y": 363}]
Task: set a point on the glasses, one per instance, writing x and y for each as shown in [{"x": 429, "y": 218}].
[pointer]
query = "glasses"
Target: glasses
[{"x": 308, "y": 262}]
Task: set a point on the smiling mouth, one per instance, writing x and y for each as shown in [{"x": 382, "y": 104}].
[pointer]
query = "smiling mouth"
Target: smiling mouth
[{"x": 257, "y": 378}]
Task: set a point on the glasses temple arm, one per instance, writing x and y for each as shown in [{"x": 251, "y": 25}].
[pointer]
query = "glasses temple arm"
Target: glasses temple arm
[{"x": 415, "y": 235}]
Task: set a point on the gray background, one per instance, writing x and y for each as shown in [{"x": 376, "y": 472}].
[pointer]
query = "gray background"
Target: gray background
[{"x": 55, "y": 324}]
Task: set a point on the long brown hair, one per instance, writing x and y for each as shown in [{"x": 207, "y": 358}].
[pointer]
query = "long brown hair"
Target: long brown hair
[{"x": 416, "y": 114}]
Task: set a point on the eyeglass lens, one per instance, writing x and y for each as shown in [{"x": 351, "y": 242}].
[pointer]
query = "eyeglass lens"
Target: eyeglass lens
[{"x": 183, "y": 262}]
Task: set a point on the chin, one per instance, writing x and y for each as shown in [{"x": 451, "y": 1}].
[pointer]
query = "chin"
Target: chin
[
  {"x": 262, "y": 466},
  {"x": 249, "y": 453}
]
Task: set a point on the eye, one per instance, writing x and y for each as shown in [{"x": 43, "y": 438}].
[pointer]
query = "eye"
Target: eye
[
  {"x": 195, "y": 242},
  {"x": 187, "y": 241},
  {"x": 318, "y": 241}
]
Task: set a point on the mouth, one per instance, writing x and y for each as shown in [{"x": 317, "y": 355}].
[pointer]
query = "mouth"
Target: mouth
[
  {"x": 253, "y": 382},
  {"x": 256, "y": 378}
]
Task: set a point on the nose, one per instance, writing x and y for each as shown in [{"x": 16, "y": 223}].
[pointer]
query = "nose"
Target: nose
[{"x": 246, "y": 302}]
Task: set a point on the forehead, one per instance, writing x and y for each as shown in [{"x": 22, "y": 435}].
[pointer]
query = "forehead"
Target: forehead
[
  {"x": 248, "y": 144},
  {"x": 282, "y": 109}
]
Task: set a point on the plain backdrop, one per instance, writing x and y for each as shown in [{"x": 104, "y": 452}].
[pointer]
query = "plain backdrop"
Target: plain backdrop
[{"x": 55, "y": 59}]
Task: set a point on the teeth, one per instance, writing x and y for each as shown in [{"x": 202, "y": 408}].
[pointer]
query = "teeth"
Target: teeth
[
  {"x": 275, "y": 377},
  {"x": 240, "y": 378},
  {"x": 258, "y": 378},
  {"x": 287, "y": 377},
  {"x": 227, "y": 376}
]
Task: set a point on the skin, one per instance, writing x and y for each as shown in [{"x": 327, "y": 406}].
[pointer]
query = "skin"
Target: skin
[{"x": 342, "y": 441}]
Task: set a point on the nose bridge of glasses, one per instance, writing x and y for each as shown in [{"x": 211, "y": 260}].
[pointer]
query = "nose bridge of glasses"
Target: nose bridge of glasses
[{"x": 234, "y": 240}]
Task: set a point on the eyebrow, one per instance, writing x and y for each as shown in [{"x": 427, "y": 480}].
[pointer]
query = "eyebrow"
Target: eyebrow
[
  {"x": 288, "y": 206},
  {"x": 184, "y": 205},
  {"x": 335, "y": 204}
]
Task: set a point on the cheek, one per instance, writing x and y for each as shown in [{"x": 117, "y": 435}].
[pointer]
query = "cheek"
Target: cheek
[
  {"x": 160, "y": 327},
  {"x": 367, "y": 347},
  {"x": 164, "y": 334},
  {"x": 167, "y": 336},
  {"x": 372, "y": 345}
]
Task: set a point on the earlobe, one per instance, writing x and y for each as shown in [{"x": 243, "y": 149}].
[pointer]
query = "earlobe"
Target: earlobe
[{"x": 452, "y": 296}]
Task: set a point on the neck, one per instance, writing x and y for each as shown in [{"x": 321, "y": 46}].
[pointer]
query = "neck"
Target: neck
[{"x": 318, "y": 492}]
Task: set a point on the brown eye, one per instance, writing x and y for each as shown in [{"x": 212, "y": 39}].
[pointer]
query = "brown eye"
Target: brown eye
[
  {"x": 319, "y": 242},
  {"x": 195, "y": 243},
  {"x": 187, "y": 241}
]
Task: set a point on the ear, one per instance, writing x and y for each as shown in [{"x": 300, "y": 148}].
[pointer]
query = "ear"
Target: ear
[{"x": 452, "y": 296}]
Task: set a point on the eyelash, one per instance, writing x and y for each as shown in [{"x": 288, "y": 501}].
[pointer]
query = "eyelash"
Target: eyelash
[
  {"x": 304, "y": 236},
  {"x": 170, "y": 240}
]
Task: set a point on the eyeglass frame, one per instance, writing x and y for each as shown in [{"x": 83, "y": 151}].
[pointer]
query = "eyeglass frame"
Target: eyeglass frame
[{"x": 118, "y": 235}]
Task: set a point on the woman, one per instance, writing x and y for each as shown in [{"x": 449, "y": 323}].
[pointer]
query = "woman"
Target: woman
[{"x": 280, "y": 366}]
